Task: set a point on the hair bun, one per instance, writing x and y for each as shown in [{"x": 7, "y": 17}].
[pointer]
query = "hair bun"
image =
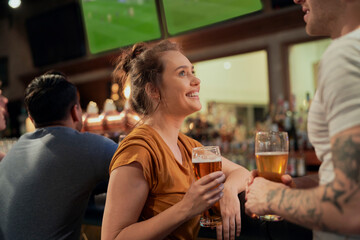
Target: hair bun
[{"x": 137, "y": 49}]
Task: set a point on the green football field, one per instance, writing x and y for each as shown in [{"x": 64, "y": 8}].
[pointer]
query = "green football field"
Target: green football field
[
  {"x": 111, "y": 24},
  {"x": 189, "y": 14}
]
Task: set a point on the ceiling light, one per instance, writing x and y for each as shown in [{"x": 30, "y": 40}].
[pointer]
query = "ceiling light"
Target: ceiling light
[
  {"x": 227, "y": 65},
  {"x": 14, "y": 3}
]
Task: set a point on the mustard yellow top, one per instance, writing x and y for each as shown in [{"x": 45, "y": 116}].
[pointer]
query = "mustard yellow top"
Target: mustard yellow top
[{"x": 168, "y": 180}]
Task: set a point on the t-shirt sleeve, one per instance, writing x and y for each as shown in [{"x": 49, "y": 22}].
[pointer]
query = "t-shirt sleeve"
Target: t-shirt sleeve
[
  {"x": 341, "y": 92},
  {"x": 130, "y": 154},
  {"x": 100, "y": 151}
]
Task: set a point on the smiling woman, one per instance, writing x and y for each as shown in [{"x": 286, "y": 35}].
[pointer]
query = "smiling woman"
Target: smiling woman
[{"x": 152, "y": 166}]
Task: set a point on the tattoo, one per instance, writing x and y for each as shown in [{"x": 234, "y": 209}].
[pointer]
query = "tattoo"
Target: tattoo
[
  {"x": 270, "y": 196},
  {"x": 303, "y": 205},
  {"x": 282, "y": 198},
  {"x": 346, "y": 158},
  {"x": 332, "y": 195}
]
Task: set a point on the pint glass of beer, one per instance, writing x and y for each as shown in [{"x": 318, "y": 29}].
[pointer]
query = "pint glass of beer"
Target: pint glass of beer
[
  {"x": 271, "y": 151},
  {"x": 207, "y": 160}
]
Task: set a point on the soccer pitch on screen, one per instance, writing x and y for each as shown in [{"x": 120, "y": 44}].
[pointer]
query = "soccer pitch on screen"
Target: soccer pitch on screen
[
  {"x": 185, "y": 15},
  {"x": 112, "y": 24}
]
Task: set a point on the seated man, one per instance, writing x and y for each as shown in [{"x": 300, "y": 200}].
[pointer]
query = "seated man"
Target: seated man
[{"x": 48, "y": 175}]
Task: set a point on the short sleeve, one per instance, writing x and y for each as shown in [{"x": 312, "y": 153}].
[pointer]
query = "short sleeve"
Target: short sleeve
[
  {"x": 341, "y": 90},
  {"x": 133, "y": 153}
]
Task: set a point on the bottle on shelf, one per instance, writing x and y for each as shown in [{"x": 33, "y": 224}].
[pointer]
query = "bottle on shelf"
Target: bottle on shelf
[
  {"x": 111, "y": 117},
  {"x": 92, "y": 121},
  {"x": 292, "y": 166},
  {"x": 300, "y": 164}
]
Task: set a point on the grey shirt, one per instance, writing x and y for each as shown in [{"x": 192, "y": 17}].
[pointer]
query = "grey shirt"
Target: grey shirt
[
  {"x": 46, "y": 180},
  {"x": 336, "y": 106}
]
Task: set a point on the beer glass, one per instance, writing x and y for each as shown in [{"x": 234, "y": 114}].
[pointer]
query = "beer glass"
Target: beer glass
[
  {"x": 207, "y": 160},
  {"x": 271, "y": 151}
]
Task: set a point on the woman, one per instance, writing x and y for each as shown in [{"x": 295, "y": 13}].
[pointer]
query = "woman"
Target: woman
[{"x": 151, "y": 192}]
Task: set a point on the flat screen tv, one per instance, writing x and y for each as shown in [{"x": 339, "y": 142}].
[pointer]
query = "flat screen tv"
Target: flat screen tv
[
  {"x": 112, "y": 24},
  {"x": 56, "y": 35}
]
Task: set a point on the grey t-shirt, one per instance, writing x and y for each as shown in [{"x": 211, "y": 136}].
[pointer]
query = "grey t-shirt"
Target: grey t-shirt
[
  {"x": 336, "y": 105},
  {"x": 46, "y": 180}
]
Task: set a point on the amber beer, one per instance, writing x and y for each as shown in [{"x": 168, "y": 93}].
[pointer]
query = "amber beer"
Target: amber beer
[
  {"x": 202, "y": 168},
  {"x": 205, "y": 161},
  {"x": 271, "y": 165}
]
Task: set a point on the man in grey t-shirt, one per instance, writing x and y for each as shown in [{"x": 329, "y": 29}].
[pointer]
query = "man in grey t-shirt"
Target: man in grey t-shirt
[
  {"x": 47, "y": 177},
  {"x": 331, "y": 209}
]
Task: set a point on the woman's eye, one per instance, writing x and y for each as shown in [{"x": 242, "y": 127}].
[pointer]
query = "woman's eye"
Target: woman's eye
[{"x": 182, "y": 73}]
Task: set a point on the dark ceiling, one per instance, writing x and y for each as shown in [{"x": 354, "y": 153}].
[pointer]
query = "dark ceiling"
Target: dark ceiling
[
  {"x": 6, "y": 11},
  {"x": 26, "y": 5}
]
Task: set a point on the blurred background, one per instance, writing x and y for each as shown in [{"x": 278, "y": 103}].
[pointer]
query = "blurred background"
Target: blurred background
[{"x": 256, "y": 63}]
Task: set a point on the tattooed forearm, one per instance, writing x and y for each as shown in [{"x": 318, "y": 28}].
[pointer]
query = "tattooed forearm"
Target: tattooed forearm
[
  {"x": 317, "y": 208},
  {"x": 302, "y": 206}
]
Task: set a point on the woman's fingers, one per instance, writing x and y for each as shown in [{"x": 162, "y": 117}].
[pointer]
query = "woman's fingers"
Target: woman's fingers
[
  {"x": 230, "y": 226},
  {"x": 219, "y": 232},
  {"x": 238, "y": 224},
  {"x": 209, "y": 179},
  {"x": 215, "y": 193}
]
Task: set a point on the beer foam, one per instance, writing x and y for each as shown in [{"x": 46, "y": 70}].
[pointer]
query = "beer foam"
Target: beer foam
[
  {"x": 271, "y": 153},
  {"x": 206, "y": 160}
]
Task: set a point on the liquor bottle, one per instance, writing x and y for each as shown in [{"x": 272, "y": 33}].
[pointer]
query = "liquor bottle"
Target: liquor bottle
[
  {"x": 92, "y": 120},
  {"x": 292, "y": 166}
]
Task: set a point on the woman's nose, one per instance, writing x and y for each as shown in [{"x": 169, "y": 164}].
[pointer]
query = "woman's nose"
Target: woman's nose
[{"x": 195, "y": 81}]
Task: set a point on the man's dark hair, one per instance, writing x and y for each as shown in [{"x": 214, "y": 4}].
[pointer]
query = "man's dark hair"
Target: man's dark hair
[{"x": 49, "y": 97}]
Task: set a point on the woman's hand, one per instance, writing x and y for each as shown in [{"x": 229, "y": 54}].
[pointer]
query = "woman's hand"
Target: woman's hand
[
  {"x": 204, "y": 193},
  {"x": 231, "y": 215}
]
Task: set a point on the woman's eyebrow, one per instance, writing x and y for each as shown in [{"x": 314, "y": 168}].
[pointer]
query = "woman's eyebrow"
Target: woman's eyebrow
[{"x": 184, "y": 66}]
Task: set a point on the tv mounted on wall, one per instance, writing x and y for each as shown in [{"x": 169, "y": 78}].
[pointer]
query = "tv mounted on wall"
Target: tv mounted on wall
[{"x": 56, "y": 35}]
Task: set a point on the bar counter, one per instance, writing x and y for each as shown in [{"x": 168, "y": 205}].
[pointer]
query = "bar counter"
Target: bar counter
[{"x": 251, "y": 229}]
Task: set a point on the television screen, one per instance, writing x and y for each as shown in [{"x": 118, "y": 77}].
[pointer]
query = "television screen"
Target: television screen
[
  {"x": 185, "y": 15},
  {"x": 111, "y": 24},
  {"x": 56, "y": 35}
]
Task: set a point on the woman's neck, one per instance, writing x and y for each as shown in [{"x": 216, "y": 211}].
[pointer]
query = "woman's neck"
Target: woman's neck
[{"x": 167, "y": 127}]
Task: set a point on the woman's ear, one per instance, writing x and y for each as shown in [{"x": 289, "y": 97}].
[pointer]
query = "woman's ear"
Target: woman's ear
[{"x": 152, "y": 91}]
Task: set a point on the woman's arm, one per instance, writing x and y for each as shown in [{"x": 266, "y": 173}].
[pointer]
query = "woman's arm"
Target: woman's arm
[
  {"x": 127, "y": 194},
  {"x": 236, "y": 177}
]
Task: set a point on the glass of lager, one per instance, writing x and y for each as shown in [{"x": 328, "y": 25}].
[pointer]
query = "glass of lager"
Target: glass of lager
[
  {"x": 207, "y": 160},
  {"x": 271, "y": 151}
]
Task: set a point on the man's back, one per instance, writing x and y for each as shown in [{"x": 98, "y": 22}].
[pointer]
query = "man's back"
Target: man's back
[{"x": 46, "y": 180}]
